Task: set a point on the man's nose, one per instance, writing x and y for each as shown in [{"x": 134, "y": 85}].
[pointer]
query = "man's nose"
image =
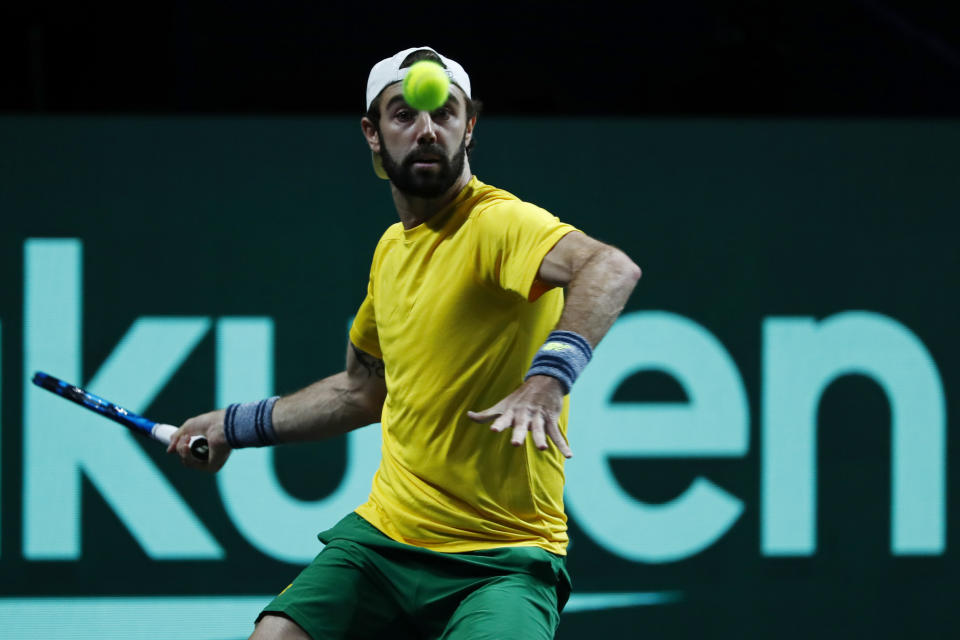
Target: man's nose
[{"x": 426, "y": 131}]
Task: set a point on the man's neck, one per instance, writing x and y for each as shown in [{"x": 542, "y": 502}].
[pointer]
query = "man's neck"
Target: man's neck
[{"x": 414, "y": 211}]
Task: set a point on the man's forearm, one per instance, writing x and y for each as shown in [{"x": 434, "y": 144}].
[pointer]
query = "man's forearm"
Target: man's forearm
[
  {"x": 597, "y": 293},
  {"x": 327, "y": 408}
]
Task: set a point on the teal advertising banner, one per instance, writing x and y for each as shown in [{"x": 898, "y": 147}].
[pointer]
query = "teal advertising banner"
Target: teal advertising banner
[{"x": 761, "y": 444}]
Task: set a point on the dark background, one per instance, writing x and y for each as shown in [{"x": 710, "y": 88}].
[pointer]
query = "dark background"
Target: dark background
[
  {"x": 755, "y": 175},
  {"x": 682, "y": 57},
  {"x": 733, "y": 223}
]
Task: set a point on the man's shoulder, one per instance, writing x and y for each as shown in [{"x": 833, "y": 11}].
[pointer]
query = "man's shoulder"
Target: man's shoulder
[
  {"x": 393, "y": 232},
  {"x": 494, "y": 202}
]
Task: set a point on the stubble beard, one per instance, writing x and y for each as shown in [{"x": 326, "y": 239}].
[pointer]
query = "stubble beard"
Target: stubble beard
[{"x": 424, "y": 184}]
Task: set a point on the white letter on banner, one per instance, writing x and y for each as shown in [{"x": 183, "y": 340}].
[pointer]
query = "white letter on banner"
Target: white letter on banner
[
  {"x": 802, "y": 357},
  {"x": 279, "y": 525},
  {"x": 715, "y": 422},
  {"x": 62, "y": 440}
]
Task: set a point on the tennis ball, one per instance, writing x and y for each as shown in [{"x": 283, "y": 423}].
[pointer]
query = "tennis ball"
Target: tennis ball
[{"x": 426, "y": 86}]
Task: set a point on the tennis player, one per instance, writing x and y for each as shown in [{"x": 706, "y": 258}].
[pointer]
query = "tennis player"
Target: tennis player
[{"x": 464, "y": 330}]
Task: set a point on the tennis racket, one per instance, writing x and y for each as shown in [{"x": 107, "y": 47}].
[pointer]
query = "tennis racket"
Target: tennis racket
[{"x": 136, "y": 423}]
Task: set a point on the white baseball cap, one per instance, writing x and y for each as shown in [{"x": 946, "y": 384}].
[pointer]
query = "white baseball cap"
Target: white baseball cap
[{"x": 388, "y": 71}]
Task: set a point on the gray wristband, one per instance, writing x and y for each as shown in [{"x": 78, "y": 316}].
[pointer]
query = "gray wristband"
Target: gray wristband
[
  {"x": 250, "y": 424},
  {"x": 563, "y": 356}
]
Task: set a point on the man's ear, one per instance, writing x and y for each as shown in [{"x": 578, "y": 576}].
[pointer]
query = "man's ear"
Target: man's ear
[
  {"x": 370, "y": 133},
  {"x": 471, "y": 123}
]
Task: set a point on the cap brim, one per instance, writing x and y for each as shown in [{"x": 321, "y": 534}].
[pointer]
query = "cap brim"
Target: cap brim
[{"x": 378, "y": 166}]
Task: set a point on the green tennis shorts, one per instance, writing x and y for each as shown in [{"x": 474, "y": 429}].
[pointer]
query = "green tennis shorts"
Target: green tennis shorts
[{"x": 364, "y": 585}]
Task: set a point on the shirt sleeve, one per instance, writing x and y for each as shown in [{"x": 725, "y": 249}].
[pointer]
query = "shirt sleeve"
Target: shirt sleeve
[
  {"x": 363, "y": 331},
  {"x": 515, "y": 237}
]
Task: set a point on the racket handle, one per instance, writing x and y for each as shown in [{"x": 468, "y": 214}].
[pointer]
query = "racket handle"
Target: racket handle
[{"x": 198, "y": 444}]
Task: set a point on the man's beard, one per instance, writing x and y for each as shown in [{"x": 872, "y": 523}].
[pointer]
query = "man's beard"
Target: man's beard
[{"x": 424, "y": 184}]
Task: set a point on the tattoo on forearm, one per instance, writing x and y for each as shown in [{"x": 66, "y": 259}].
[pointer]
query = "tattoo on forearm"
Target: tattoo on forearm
[{"x": 374, "y": 366}]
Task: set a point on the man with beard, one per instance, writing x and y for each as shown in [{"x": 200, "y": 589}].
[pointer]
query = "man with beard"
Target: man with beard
[{"x": 464, "y": 323}]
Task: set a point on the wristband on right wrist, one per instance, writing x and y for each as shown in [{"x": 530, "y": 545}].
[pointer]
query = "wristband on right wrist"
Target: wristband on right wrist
[{"x": 250, "y": 424}]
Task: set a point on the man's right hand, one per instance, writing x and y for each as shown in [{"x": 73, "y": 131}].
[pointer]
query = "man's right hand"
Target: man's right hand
[{"x": 209, "y": 425}]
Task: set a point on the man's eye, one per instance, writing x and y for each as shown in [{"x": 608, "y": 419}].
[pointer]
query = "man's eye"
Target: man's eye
[
  {"x": 404, "y": 115},
  {"x": 442, "y": 112}
]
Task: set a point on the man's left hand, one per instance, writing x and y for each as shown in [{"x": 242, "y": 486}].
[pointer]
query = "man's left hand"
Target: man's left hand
[{"x": 535, "y": 407}]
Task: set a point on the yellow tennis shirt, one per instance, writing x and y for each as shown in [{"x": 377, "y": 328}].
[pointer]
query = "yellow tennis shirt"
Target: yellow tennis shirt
[{"x": 454, "y": 310}]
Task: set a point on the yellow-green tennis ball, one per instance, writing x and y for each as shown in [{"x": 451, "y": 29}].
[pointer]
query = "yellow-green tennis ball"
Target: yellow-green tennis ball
[{"x": 426, "y": 86}]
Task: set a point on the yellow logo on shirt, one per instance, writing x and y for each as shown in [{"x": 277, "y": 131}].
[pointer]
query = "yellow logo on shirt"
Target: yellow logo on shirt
[{"x": 556, "y": 346}]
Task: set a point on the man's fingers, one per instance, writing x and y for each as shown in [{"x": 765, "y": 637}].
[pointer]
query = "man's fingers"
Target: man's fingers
[
  {"x": 554, "y": 432},
  {"x": 520, "y": 432},
  {"x": 187, "y": 457},
  {"x": 173, "y": 443},
  {"x": 483, "y": 416},
  {"x": 536, "y": 428},
  {"x": 183, "y": 448},
  {"x": 503, "y": 422},
  {"x": 178, "y": 436},
  {"x": 524, "y": 411}
]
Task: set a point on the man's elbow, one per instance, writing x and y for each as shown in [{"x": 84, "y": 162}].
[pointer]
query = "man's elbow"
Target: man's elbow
[
  {"x": 373, "y": 404},
  {"x": 624, "y": 267}
]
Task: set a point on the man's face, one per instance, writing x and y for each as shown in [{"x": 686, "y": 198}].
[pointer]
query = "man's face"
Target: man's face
[{"x": 423, "y": 152}]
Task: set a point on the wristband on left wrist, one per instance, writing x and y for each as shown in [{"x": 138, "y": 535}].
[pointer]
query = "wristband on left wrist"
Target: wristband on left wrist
[{"x": 563, "y": 356}]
